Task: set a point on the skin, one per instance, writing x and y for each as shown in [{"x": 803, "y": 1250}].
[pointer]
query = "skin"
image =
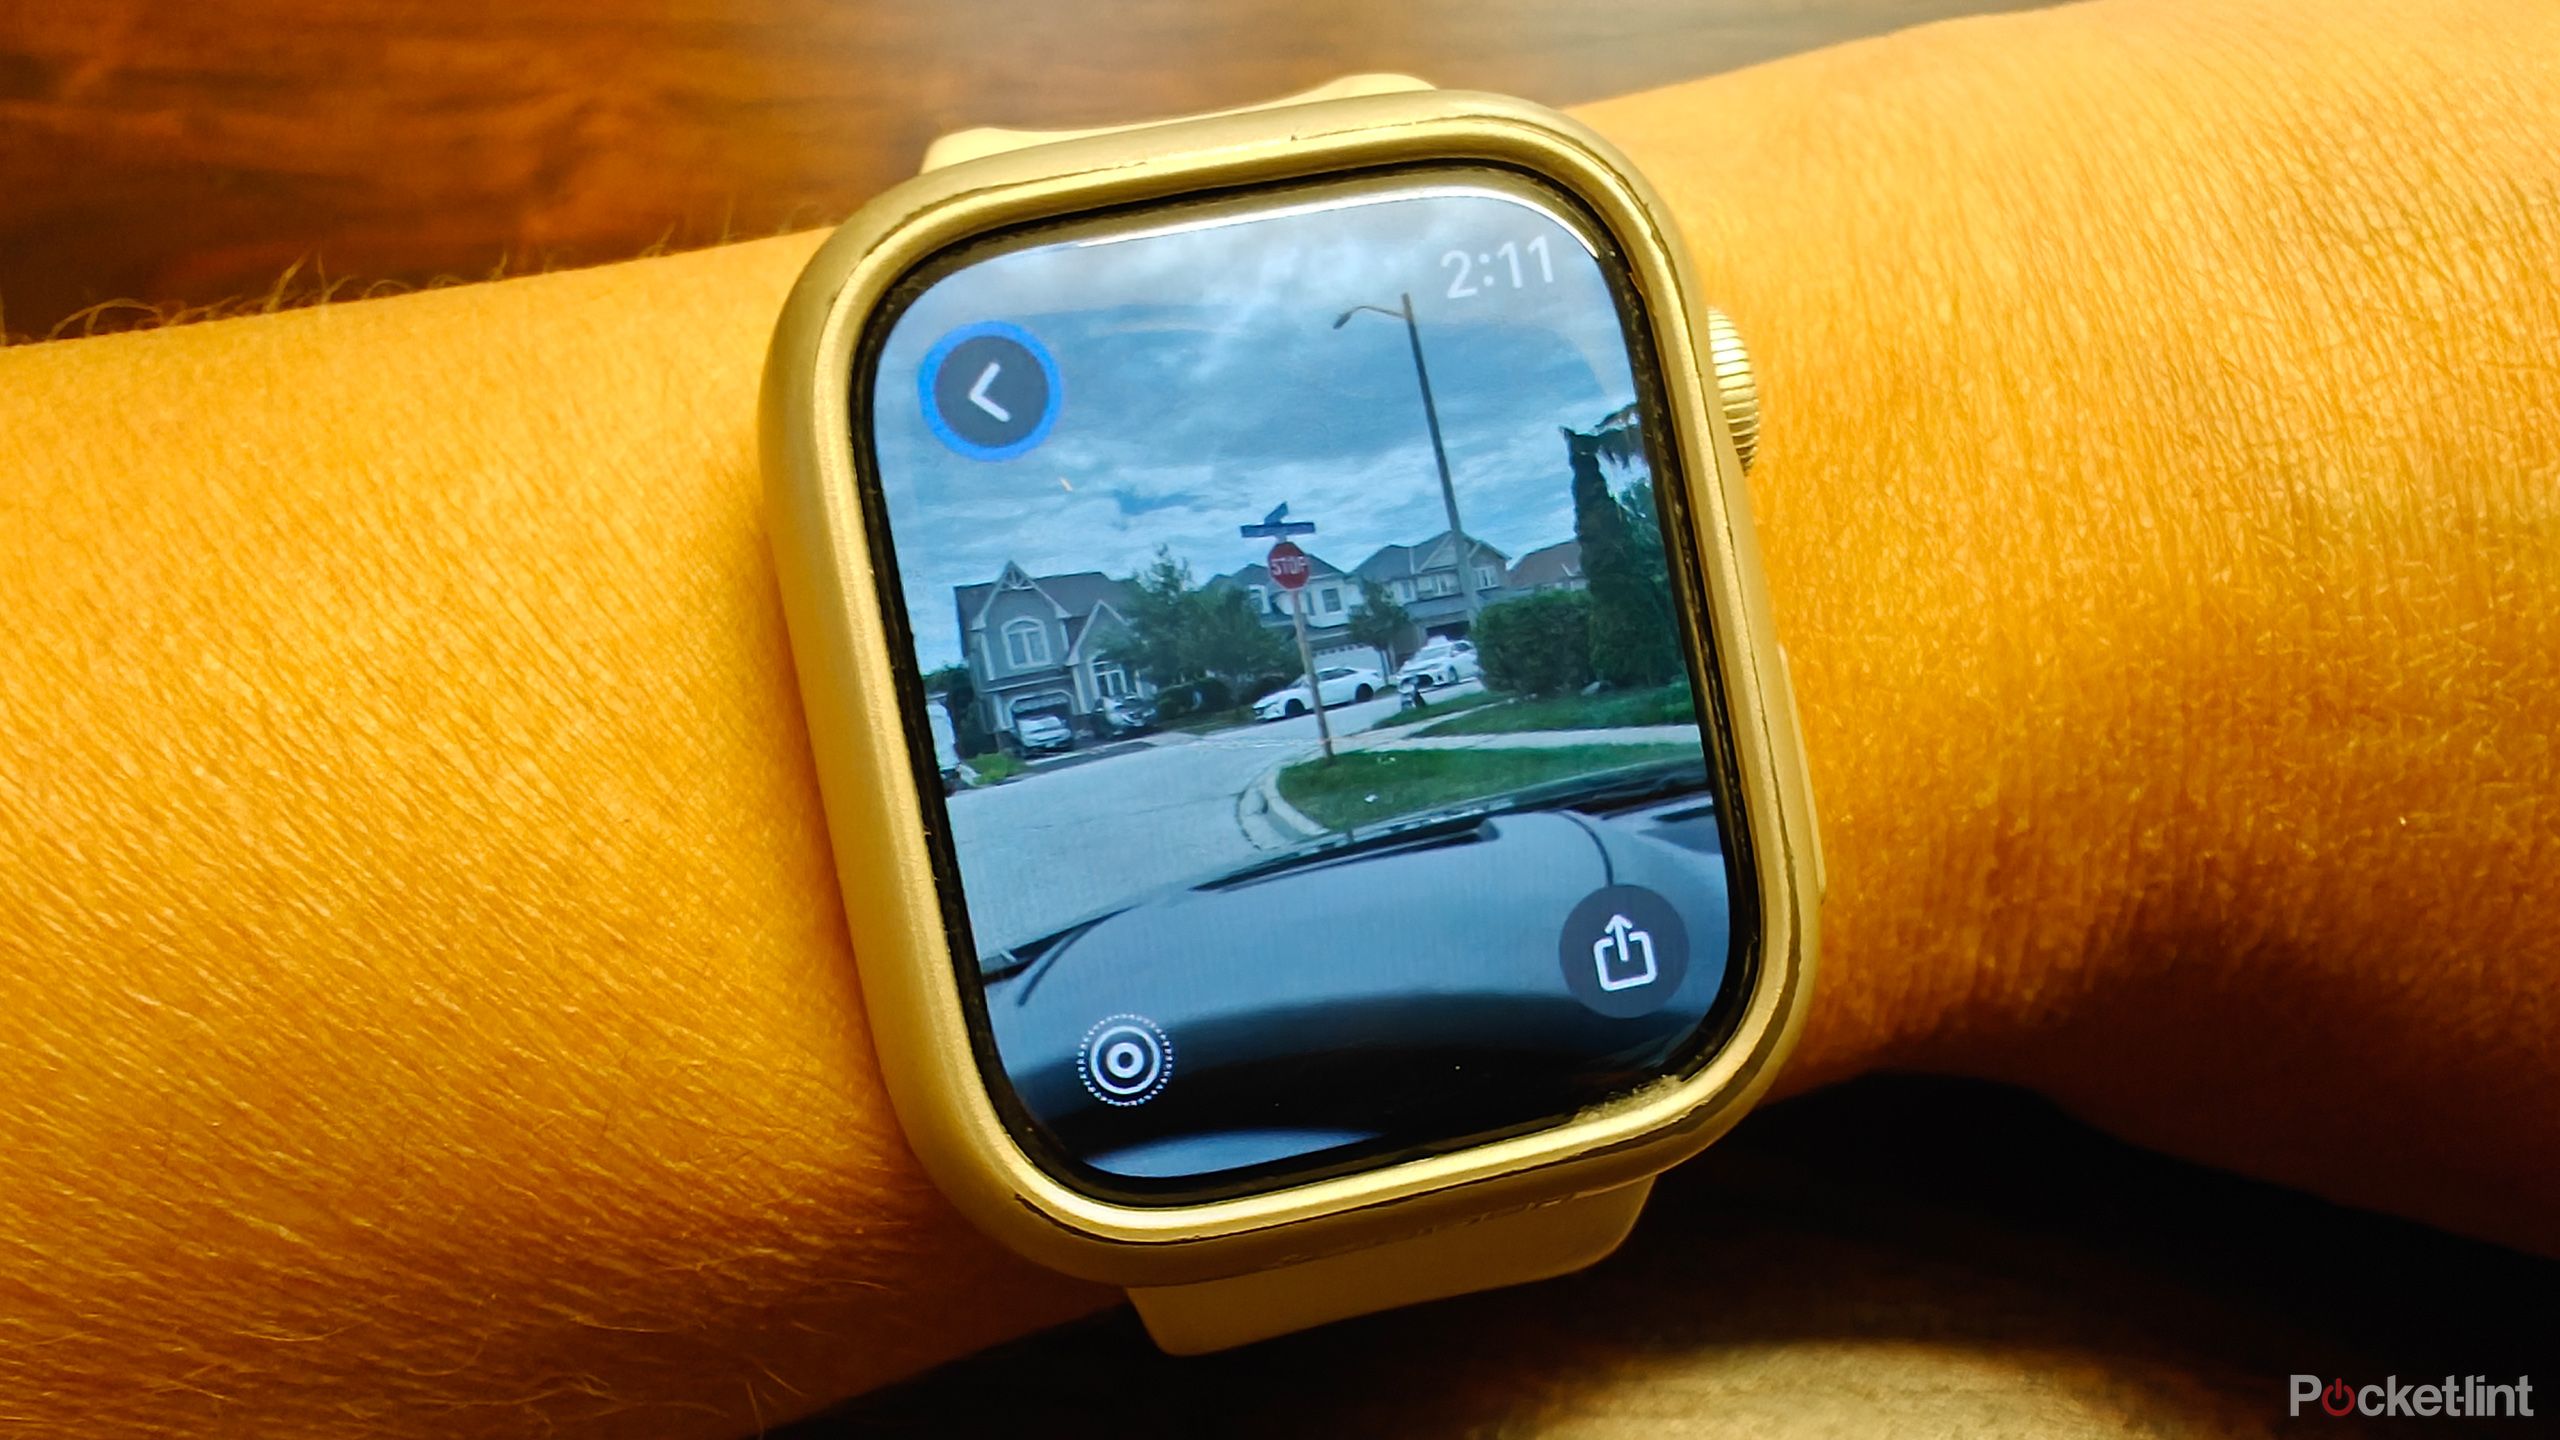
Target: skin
[{"x": 424, "y": 1004}]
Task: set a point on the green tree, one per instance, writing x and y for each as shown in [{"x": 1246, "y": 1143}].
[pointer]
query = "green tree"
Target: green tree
[
  {"x": 954, "y": 684},
  {"x": 1634, "y": 641},
  {"x": 1180, "y": 632},
  {"x": 1644, "y": 531},
  {"x": 1381, "y": 622},
  {"x": 1230, "y": 641},
  {"x": 1158, "y": 601},
  {"x": 1619, "y": 441}
]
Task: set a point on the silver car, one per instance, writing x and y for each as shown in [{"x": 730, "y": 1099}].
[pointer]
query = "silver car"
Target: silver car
[{"x": 1042, "y": 733}]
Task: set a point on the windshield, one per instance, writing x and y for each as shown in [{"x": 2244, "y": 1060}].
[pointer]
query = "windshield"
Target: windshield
[{"x": 1250, "y": 465}]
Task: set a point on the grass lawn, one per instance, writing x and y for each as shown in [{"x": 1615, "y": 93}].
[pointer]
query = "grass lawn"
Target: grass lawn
[
  {"x": 1367, "y": 786},
  {"x": 1664, "y": 705},
  {"x": 995, "y": 767},
  {"x": 1440, "y": 709}
]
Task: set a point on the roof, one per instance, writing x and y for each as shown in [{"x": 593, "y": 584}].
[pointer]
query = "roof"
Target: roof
[
  {"x": 1398, "y": 562},
  {"x": 1076, "y": 592},
  {"x": 1548, "y": 565}
]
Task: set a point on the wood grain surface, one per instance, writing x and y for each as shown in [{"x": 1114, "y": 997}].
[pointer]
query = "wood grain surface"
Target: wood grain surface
[{"x": 160, "y": 156}]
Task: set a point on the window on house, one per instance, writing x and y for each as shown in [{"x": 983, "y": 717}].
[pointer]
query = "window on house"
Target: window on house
[
  {"x": 1261, "y": 600},
  {"x": 1403, "y": 590},
  {"x": 1109, "y": 680},
  {"x": 1484, "y": 577},
  {"x": 1026, "y": 643},
  {"x": 1329, "y": 601}
]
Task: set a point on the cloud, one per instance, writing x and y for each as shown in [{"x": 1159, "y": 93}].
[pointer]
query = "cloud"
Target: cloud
[{"x": 1202, "y": 382}]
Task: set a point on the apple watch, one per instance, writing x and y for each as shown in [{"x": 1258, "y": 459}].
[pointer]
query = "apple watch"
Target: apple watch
[{"x": 1318, "y": 803}]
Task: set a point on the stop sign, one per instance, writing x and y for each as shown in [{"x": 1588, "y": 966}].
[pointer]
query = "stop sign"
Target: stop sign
[{"x": 1288, "y": 566}]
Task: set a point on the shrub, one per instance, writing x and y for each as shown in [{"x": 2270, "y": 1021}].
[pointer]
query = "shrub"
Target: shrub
[
  {"x": 1540, "y": 645},
  {"x": 1181, "y": 702}
]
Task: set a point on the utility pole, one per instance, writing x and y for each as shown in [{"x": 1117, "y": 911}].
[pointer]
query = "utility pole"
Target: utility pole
[
  {"x": 1307, "y": 660},
  {"x": 1459, "y": 545}
]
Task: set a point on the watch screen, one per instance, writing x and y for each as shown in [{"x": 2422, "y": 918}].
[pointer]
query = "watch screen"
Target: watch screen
[{"x": 1322, "y": 766}]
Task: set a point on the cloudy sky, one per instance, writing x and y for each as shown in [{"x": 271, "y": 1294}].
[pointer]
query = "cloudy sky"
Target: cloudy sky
[{"x": 1203, "y": 384}]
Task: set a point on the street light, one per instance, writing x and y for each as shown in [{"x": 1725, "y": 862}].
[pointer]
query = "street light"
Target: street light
[{"x": 1458, "y": 542}]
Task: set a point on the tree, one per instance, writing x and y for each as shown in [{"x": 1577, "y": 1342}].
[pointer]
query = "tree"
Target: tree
[
  {"x": 1180, "y": 632},
  {"x": 959, "y": 692},
  {"x": 1634, "y": 640},
  {"x": 951, "y": 680},
  {"x": 1230, "y": 641},
  {"x": 1157, "y": 601},
  {"x": 1381, "y": 623},
  {"x": 1619, "y": 440}
]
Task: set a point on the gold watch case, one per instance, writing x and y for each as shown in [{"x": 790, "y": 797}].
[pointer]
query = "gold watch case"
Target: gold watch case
[{"x": 848, "y": 673}]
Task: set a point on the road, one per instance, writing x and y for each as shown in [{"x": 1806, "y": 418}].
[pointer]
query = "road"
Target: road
[{"x": 1055, "y": 844}]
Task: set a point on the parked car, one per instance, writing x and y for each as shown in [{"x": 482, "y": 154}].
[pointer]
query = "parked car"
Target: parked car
[
  {"x": 1338, "y": 684},
  {"x": 1128, "y": 715},
  {"x": 1440, "y": 662},
  {"x": 1041, "y": 734}
]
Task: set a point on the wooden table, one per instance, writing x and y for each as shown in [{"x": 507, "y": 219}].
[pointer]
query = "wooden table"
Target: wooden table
[{"x": 164, "y": 157}]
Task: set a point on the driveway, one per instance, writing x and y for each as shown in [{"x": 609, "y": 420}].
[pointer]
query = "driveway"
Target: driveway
[{"x": 1064, "y": 841}]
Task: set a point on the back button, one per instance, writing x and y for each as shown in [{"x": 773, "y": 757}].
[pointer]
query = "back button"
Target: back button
[{"x": 990, "y": 391}]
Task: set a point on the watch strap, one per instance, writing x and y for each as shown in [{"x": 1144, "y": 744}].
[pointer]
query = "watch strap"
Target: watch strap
[
  {"x": 965, "y": 145},
  {"x": 1477, "y": 1254}
]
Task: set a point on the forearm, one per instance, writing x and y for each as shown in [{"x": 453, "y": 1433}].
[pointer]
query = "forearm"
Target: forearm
[
  {"x": 427, "y": 992},
  {"x": 2161, "y": 494},
  {"x": 426, "y": 982}
]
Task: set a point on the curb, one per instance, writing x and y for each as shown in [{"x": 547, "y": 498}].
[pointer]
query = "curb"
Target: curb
[{"x": 1268, "y": 820}]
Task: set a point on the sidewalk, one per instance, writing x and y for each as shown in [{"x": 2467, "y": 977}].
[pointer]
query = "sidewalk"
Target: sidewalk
[{"x": 1401, "y": 737}]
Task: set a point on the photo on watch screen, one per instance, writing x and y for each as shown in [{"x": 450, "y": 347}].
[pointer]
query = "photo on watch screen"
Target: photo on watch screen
[{"x": 1321, "y": 756}]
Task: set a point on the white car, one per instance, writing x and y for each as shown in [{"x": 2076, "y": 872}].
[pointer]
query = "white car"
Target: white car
[
  {"x": 1441, "y": 662},
  {"x": 1338, "y": 684},
  {"x": 946, "y": 746},
  {"x": 1043, "y": 732}
]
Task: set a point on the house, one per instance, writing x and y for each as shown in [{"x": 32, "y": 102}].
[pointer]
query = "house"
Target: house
[
  {"x": 1549, "y": 567},
  {"x": 1332, "y": 597},
  {"x": 1045, "y": 645},
  {"x": 1425, "y": 579}
]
